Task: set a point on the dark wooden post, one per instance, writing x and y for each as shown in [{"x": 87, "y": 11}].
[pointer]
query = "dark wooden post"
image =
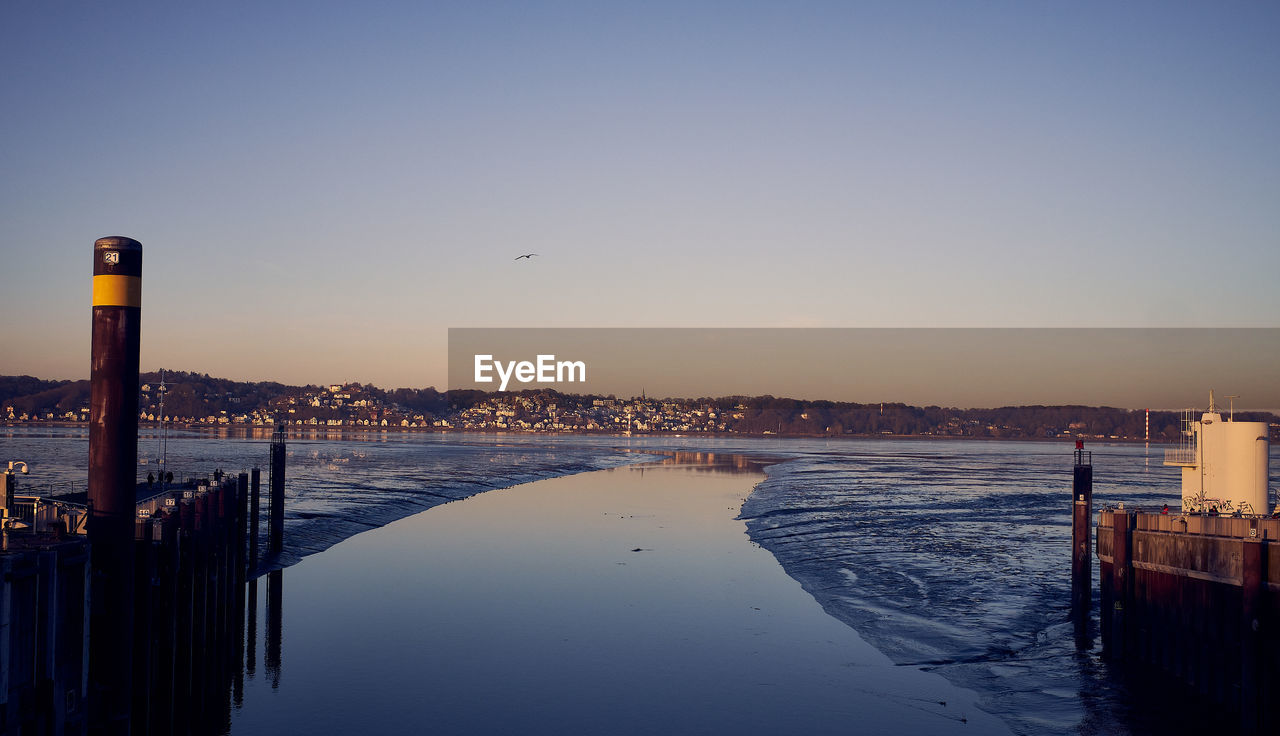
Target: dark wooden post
[
  {"x": 242, "y": 524},
  {"x": 238, "y": 602},
  {"x": 275, "y": 540},
  {"x": 146, "y": 561},
  {"x": 163, "y": 623},
  {"x": 1106, "y": 587},
  {"x": 200, "y": 608},
  {"x": 1121, "y": 581},
  {"x": 1081, "y": 538},
  {"x": 113, "y": 455},
  {"x": 184, "y": 613},
  {"x": 255, "y": 493}
]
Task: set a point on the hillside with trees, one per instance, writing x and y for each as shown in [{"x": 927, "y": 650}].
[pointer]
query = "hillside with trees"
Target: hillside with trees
[{"x": 198, "y": 398}]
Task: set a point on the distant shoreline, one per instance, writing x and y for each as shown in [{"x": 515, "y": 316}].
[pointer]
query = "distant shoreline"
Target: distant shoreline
[{"x": 305, "y": 429}]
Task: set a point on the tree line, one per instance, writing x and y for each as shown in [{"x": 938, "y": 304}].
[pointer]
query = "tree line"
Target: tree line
[{"x": 191, "y": 394}]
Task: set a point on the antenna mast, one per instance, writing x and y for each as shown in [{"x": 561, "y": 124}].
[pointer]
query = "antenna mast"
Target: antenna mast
[{"x": 164, "y": 432}]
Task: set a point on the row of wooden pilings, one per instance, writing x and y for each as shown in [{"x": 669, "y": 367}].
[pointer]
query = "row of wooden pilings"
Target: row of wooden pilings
[
  {"x": 193, "y": 567},
  {"x": 133, "y": 630},
  {"x": 195, "y": 562},
  {"x": 1191, "y": 599}
]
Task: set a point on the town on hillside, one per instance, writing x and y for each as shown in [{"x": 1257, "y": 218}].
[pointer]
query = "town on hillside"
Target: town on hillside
[{"x": 192, "y": 399}]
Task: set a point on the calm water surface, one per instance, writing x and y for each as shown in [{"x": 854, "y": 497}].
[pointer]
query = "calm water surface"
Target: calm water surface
[{"x": 625, "y": 601}]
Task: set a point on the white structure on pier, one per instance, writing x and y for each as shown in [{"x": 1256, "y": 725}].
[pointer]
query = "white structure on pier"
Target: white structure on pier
[{"x": 1225, "y": 463}]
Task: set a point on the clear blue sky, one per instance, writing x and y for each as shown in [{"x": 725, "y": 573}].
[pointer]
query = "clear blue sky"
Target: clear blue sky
[{"x": 322, "y": 189}]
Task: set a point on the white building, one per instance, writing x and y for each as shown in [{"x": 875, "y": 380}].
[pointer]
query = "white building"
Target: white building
[{"x": 1225, "y": 463}]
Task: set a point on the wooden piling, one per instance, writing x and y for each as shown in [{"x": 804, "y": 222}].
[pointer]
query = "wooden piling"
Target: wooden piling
[
  {"x": 113, "y": 452},
  {"x": 163, "y": 626},
  {"x": 1122, "y": 583},
  {"x": 1081, "y": 548},
  {"x": 275, "y": 539},
  {"x": 199, "y": 605},
  {"x": 242, "y": 524},
  {"x": 240, "y": 565},
  {"x": 184, "y": 615},
  {"x": 145, "y": 561},
  {"x": 255, "y": 489}
]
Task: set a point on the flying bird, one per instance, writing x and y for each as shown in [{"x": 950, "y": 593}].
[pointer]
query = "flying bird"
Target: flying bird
[{"x": 526, "y": 255}]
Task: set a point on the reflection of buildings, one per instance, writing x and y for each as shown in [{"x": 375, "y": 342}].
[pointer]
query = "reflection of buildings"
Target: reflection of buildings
[{"x": 721, "y": 462}]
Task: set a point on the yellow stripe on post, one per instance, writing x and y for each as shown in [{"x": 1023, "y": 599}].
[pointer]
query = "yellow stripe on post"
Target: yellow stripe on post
[{"x": 111, "y": 290}]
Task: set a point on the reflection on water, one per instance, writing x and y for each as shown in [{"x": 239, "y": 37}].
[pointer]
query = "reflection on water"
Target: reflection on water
[
  {"x": 340, "y": 483},
  {"x": 275, "y": 626},
  {"x": 956, "y": 556},
  {"x": 200, "y": 666},
  {"x": 622, "y": 601},
  {"x": 717, "y": 462}
]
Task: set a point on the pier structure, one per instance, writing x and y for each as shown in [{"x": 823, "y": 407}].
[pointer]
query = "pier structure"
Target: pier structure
[
  {"x": 1197, "y": 597},
  {"x": 1195, "y": 594},
  {"x": 194, "y": 600},
  {"x": 124, "y": 611}
]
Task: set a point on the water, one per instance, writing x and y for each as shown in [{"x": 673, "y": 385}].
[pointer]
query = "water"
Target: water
[
  {"x": 338, "y": 484},
  {"x": 955, "y": 557},
  {"x": 627, "y": 601},
  {"x": 947, "y": 556}
]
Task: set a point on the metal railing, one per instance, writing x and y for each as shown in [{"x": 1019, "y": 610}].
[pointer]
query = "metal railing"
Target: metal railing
[
  {"x": 1181, "y": 456},
  {"x": 36, "y": 514}
]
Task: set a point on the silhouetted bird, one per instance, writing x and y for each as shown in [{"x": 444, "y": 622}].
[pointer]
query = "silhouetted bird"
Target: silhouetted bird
[{"x": 526, "y": 255}]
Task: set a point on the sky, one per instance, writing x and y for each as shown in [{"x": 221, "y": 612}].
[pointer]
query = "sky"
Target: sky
[{"x": 322, "y": 190}]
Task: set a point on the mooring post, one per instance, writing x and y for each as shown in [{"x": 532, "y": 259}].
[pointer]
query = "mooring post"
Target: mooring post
[
  {"x": 184, "y": 616},
  {"x": 1081, "y": 539},
  {"x": 255, "y": 494},
  {"x": 113, "y": 456},
  {"x": 164, "y": 619},
  {"x": 145, "y": 559},
  {"x": 276, "y": 536},
  {"x": 200, "y": 606},
  {"x": 1121, "y": 581},
  {"x": 242, "y": 523}
]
